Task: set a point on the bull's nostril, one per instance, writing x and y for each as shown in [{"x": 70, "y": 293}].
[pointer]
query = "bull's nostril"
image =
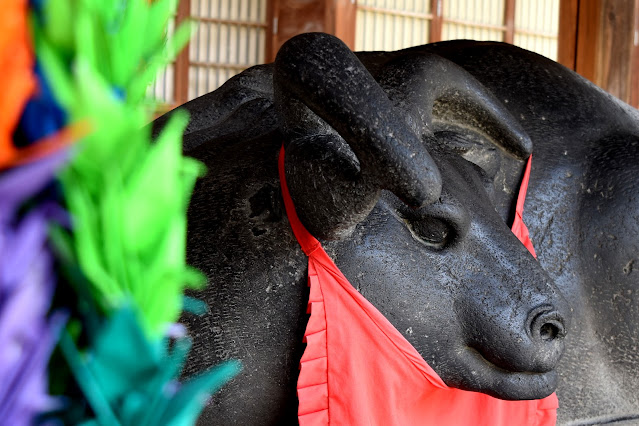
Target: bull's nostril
[
  {"x": 548, "y": 331},
  {"x": 547, "y": 324}
]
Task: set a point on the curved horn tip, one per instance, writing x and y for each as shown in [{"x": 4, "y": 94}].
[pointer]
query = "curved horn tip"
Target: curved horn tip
[{"x": 525, "y": 147}]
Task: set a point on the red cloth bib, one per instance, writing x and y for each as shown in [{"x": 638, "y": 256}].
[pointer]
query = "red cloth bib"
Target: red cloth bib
[{"x": 357, "y": 369}]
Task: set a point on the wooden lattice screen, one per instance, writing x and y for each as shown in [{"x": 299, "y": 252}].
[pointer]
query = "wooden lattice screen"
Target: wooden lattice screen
[
  {"x": 396, "y": 24},
  {"x": 392, "y": 25},
  {"x": 229, "y": 37}
]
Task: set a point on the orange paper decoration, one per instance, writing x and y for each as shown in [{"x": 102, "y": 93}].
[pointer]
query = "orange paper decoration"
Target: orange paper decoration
[{"x": 17, "y": 81}]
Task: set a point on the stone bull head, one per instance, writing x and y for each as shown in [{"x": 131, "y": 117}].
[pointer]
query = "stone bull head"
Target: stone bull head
[
  {"x": 582, "y": 213},
  {"x": 391, "y": 158}
]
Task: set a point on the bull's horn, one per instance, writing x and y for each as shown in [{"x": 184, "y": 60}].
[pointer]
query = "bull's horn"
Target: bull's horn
[
  {"x": 431, "y": 88},
  {"x": 326, "y": 96}
]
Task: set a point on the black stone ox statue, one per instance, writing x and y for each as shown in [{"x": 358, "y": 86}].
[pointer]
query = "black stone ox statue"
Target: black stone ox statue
[{"x": 407, "y": 165}]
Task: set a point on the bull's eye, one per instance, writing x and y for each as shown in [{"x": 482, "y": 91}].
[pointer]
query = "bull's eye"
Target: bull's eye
[
  {"x": 437, "y": 226},
  {"x": 431, "y": 231}
]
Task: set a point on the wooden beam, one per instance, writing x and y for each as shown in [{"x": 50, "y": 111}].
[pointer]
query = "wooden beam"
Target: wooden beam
[
  {"x": 272, "y": 29},
  {"x": 214, "y": 64},
  {"x": 230, "y": 22},
  {"x": 537, "y": 33},
  {"x": 181, "y": 71},
  {"x": 567, "y": 41},
  {"x": 397, "y": 12},
  {"x": 473, "y": 24},
  {"x": 509, "y": 21},
  {"x": 436, "y": 24}
]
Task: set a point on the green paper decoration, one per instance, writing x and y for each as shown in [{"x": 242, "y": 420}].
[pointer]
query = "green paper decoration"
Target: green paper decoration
[
  {"x": 125, "y": 40},
  {"x": 130, "y": 225},
  {"x": 120, "y": 356},
  {"x": 127, "y": 196}
]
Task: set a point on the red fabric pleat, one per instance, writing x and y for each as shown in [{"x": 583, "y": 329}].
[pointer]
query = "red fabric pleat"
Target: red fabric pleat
[
  {"x": 357, "y": 369},
  {"x": 519, "y": 228}
]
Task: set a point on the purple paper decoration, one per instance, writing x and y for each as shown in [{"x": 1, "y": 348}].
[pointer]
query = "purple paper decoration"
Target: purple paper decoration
[{"x": 27, "y": 334}]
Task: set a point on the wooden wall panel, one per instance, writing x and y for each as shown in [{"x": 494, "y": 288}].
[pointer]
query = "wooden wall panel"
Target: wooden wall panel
[
  {"x": 588, "y": 35},
  {"x": 299, "y": 16},
  {"x": 613, "y": 68},
  {"x": 292, "y": 17},
  {"x": 340, "y": 20}
]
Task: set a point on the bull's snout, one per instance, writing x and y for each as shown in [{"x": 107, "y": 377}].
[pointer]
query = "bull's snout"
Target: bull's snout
[
  {"x": 526, "y": 334},
  {"x": 531, "y": 343}
]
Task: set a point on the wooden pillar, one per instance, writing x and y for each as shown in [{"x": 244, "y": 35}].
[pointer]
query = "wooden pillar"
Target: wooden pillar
[
  {"x": 634, "y": 69},
  {"x": 272, "y": 29},
  {"x": 588, "y": 47},
  {"x": 289, "y": 18},
  {"x": 509, "y": 22},
  {"x": 567, "y": 40},
  {"x": 437, "y": 21},
  {"x": 598, "y": 40},
  {"x": 181, "y": 71}
]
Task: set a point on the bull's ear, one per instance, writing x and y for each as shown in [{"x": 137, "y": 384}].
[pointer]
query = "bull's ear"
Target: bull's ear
[
  {"x": 470, "y": 145},
  {"x": 440, "y": 96}
]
